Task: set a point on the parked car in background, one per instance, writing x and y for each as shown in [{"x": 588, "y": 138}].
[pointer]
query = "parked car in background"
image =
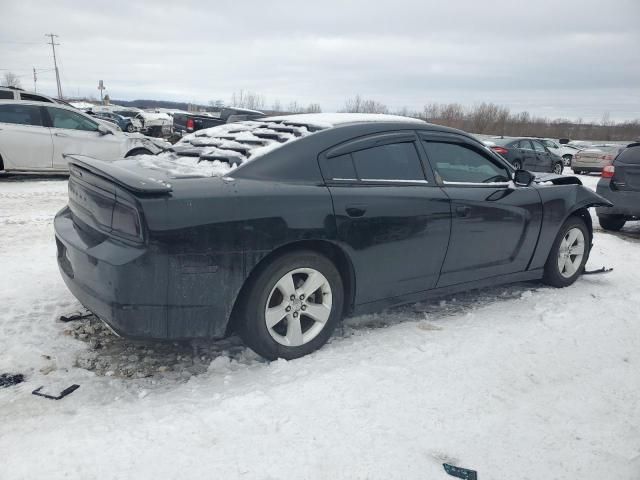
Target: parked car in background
[
  {"x": 595, "y": 158},
  {"x": 126, "y": 124},
  {"x": 277, "y": 228},
  {"x": 38, "y": 136},
  {"x": 526, "y": 153},
  {"x": 620, "y": 184},
  {"x": 563, "y": 151},
  {"x": 155, "y": 124},
  {"x": 192, "y": 122}
]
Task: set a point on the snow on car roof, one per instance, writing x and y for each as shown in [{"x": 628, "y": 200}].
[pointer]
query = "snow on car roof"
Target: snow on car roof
[
  {"x": 218, "y": 150},
  {"x": 328, "y": 120}
]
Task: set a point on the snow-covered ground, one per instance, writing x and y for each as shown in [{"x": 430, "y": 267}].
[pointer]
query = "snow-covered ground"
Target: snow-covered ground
[{"x": 519, "y": 382}]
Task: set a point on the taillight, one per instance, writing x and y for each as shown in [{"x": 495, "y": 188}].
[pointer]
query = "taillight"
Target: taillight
[
  {"x": 608, "y": 171},
  {"x": 500, "y": 150},
  {"x": 190, "y": 124}
]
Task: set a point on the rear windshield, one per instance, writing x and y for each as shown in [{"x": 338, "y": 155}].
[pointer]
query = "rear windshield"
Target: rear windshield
[{"x": 629, "y": 155}]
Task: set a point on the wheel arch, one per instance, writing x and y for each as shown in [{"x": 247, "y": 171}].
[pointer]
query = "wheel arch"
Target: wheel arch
[
  {"x": 138, "y": 151},
  {"x": 324, "y": 247},
  {"x": 583, "y": 213}
]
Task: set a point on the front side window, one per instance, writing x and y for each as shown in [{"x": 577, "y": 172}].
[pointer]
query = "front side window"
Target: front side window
[
  {"x": 70, "y": 120},
  {"x": 550, "y": 144},
  {"x": 525, "y": 145},
  {"x": 456, "y": 163},
  {"x": 538, "y": 147},
  {"x": 395, "y": 161},
  {"x": 34, "y": 98},
  {"x": 21, "y": 114}
]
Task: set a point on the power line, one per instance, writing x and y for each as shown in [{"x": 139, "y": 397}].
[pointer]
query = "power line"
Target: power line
[{"x": 55, "y": 63}]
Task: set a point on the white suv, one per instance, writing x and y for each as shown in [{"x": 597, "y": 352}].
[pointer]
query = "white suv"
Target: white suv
[{"x": 36, "y": 136}]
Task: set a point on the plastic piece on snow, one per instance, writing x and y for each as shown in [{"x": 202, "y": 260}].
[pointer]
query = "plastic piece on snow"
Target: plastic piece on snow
[
  {"x": 9, "y": 380},
  {"x": 600, "y": 270},
  {"x": 75, "y": 316},
  {"x": 62, "y": 394},
  {"x": 460, "y": 472}
]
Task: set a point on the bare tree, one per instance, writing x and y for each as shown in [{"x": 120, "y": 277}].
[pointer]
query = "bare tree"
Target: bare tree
[
  {"x": 358, "y": 104},
  {"x": 313, "y": 108},
  {"x": 276, "y": 107},
  {"x": 247, "y": 99},
  {"x": 11, "y": 80}
]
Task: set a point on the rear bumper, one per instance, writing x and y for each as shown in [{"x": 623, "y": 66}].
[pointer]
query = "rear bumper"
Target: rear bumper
[
  {"x": 128, "y": 287},
  {"x": 625, "y": 203}
]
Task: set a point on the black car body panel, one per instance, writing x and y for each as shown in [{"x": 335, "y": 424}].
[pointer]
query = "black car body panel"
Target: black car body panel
[
  {"x": 192, "y": 122},
  {"x": 201, "y": 239}
]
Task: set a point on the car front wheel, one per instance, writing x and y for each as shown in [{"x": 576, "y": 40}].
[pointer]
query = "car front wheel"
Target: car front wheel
[
  {"x": 568, "y": 254},
  {"x": 517, "y": 165},
  {"x": 131, "y": 128},
  {"x": 292, "y": 306},
  {"x": 567, "y": 160}
]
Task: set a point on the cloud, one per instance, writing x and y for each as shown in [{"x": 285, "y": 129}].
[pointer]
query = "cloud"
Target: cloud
[{"x": 572, "y": 58}]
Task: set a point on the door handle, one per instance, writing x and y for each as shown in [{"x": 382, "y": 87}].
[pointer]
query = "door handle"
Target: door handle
[
  {"x": 58, "y": 134},
  {"x": 356, "y": 210},
  {"x": 463, "y": 211}
]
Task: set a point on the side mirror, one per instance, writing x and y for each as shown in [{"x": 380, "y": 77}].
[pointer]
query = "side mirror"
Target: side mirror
[
  {"x": 523, "y": 178},
  {"x": 104, "y": 130}
]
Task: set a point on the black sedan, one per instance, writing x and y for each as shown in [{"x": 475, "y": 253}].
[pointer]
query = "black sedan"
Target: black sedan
[
  {"x": 278, "y": 228},
  {"x": 527, "y": 153}
]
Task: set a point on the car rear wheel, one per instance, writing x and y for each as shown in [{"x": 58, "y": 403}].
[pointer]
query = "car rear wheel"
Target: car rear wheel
[
  {"x": 517, "y": 165},
  {"x": 576, "y": 171},
  {"x": 612, "y": 222},
  {"x": 557, "y": 168},
  {"x": 568, "y": 254},
  {"x": 131, "y": 128},
  {"x": 292, "y": 306}
]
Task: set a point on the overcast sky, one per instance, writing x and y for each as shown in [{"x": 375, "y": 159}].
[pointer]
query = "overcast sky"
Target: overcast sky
[{"x": 563, "y": 58}]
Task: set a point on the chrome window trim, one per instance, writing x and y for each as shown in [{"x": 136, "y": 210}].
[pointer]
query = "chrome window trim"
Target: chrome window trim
[{"x": 476, "y": 184}]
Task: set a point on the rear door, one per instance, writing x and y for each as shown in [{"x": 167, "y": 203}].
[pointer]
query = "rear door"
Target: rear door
[
  {"x": 25, "y": 141},
  {"x": 74, "y": 133},
  {"x": 545, "y": 159},
  {"x": 495, "y": 224},
  {"x": 391, "y": 217}
]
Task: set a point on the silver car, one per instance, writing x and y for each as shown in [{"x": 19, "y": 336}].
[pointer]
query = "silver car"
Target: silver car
[
  {"x": 37, "y": 136},
  {"x": 595, "y": 158}
]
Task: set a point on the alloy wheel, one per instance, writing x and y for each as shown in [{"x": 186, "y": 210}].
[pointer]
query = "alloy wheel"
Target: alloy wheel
[
  {"x": 571, "y": 252},
  {"x": 557, "y": 168},
  {"x": 298, "y": 307}
]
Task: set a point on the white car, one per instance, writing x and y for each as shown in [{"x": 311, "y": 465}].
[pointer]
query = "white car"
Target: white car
[
  {"x": 37, "y": 136},
  {"x": 563, "y": 151}
]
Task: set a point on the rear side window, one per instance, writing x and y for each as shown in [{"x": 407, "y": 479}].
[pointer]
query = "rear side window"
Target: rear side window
[
  {"x": 6, "y": 95},
  {"x": 34, "y": 98},
  {"x": 395, "y": 161},
  {"x": 340, "y": 168},
  {"x": 21, "y": 114},
  {"x": 456, "y": 163},
  {"x": 70, "y": 120}
]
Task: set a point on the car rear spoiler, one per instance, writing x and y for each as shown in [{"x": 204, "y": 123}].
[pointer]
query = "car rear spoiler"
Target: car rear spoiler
[{"x": 108, "y": 170}]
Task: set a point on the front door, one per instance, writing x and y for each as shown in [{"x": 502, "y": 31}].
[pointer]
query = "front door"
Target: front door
[
  {"x": 528, "y": 155},
  {"x": 391, "y": 218},
  {"x": 25, "y": 143},
  {"x": 74, "y": 133},
  {"x": 545, "y": 160},
  {"x": 495, "y": 224}
]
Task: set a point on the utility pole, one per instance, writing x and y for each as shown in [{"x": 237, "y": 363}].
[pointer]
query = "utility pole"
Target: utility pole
[
  {"x": 55, "y": 63},
  {"x": 35, "y": 79}
]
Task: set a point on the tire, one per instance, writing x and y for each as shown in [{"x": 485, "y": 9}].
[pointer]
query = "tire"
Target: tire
[
  {"x": 557, "y": 271},
  {"x": 557, "y": 168},
  {"x": 567, "y": 160},
  {"x": 276, "y": 336},
  {"x": 517, "y": 165},
  {"x": 612, "y": 222},
  {"x": 138, "y": 151},
  {"x": 131, "y": 128},
  {"x": 576, "y": 171}
]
